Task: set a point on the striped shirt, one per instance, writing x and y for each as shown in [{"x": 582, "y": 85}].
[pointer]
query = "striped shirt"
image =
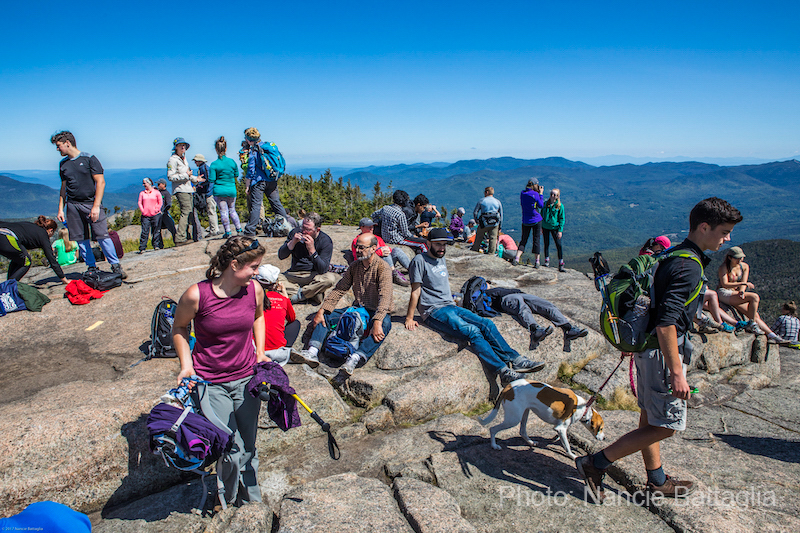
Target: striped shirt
[{"x": 371, "y": 282}]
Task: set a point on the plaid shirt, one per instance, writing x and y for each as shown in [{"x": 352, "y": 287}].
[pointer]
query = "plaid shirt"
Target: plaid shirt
[
  {"x": 394, "y": 225},
  {"x": 787, "y": 327},
  {"x": 371, "y": 282}
]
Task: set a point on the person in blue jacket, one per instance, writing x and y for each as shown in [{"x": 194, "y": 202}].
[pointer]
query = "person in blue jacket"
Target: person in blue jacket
[{"x": 531, "y": 201}]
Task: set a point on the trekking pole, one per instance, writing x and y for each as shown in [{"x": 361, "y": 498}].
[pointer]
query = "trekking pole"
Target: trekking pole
[{"x": 333, "y": 447}]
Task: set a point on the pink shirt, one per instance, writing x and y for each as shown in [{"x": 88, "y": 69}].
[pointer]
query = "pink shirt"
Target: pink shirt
[
  {"x": 224, "y": 350},
  {"x": 507, "y": 242},
  {"x": 150, "y": 202}
]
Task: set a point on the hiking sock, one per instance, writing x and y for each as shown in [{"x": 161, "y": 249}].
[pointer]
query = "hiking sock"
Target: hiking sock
[
  {"x": 772, "y": 336},
  {"x": 600, "y": 461},
  {"x": 313, "y": 351},
  {"x": 656, "y": 477}
]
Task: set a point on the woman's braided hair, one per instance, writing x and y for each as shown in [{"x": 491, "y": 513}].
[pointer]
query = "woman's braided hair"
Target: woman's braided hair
[{"x": 233, "y": 248}]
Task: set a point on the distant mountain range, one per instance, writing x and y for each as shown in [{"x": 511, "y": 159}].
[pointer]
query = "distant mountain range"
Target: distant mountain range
[{"x": 606, "y": 207}]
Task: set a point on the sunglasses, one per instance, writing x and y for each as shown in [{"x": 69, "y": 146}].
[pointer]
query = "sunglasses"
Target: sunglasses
[
  {"x": 253, "y": 246},
  {"x": 363, "y": 247}
]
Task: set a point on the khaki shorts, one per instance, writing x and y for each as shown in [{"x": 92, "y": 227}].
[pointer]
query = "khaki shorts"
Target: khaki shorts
[{"x": 653, "y": 383}]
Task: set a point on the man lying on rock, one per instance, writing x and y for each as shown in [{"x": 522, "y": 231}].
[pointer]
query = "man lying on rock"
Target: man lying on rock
[
  {"x": 523, "y": 306},
  {"x": 430, "y": 289},
  {"x": 370, "y": 277}
]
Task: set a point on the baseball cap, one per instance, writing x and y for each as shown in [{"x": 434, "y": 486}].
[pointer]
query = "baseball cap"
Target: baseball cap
[
  {"x": 663, "y": 240},
  {"x": 366, "y": 222},
  {"x": 267, "y": 274},
  {"x": 735, "y": 252},
  {"x": 439, "y": 234},
  {"x": 162, "y": 180}
]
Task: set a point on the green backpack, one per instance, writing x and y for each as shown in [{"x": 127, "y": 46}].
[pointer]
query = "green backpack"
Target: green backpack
[{"x": 630, "y": 300}]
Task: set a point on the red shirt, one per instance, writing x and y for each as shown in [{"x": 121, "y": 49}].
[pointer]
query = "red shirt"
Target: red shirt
[
  {"x": 275, "y": 320},
  {"x": 378, "y": 251}
]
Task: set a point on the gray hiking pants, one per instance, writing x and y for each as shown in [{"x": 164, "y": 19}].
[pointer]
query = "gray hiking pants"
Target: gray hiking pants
[
  {"x": 235, "y": 410},
  {"x": 523, "y": 306}
]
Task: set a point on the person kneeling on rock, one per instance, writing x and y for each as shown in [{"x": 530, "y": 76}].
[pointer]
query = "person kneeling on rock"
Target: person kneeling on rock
[
  {"x": 430, "y": 288},
  {"x": 370, "y": 277}
]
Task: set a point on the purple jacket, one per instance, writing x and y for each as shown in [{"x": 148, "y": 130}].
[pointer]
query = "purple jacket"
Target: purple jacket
[
  {"x": 530, "y": 200},
  {"x": 196, "y": 435},
  {"x": 282, "y": 409}
]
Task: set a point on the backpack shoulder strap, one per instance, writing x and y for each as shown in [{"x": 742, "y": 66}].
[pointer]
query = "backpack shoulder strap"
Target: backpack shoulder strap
[{"x": 686, "y": 254}]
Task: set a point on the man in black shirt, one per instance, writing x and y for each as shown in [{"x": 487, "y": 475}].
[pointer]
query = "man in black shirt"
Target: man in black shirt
[
  {"x": 82, "y": 187},
  {"x": 661, "y": 372},
  {"x": 166, "y": 219},
  {"x": 311, "y": 250}
]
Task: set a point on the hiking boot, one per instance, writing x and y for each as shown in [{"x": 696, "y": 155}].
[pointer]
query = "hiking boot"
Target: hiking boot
[
  {"x": 515, "y": 262},
  {"x": 742, "y": 324},
  {"x": 593, "y": 477},
  {"x": 561, "y": 267},
  {"x": 399, "y": 278},
  {"x": 350, "y": 365},
  {"x": 727, "y": 328},
  {"x": 574, "y": 333},
  {"x": 507, "y": 376},
  {"x": 672, "y": 488},
  {"x": 547, "y": 261},
  {"x": 298, "y": 297},
  {"x": 117, "y": 269},
  {"x": 523, "y": 365},
  {"x": 536, "y": 264},
  {"x": 93, "y": 269},
  {"x": 304, "y": 357},
  {"x": 226, "y": 235}
]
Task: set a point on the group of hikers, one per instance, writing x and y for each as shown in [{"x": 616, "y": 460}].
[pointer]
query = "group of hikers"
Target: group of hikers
[{"x": 243, "y": 312}]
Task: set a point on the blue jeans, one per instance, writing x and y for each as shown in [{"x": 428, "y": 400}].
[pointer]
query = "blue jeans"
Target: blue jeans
[
  {"x": 491, "y": 348},
  {"x": 368, "y": 345}
]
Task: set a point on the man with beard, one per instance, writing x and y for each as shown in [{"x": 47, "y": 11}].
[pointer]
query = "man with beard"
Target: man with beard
[
  {"x": 430, "y": 288},
  {"x": 370, "y": 277}
]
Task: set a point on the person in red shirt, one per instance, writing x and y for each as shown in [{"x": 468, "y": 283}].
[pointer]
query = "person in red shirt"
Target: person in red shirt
[
  {"x": 388, "y": 254},
  {"x": 280, "y": 324}
]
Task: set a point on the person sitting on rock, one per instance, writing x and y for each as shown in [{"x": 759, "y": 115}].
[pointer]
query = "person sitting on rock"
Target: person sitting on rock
[
  {"x": 523, "y": 306},
  {"x": 281, "y": 326},
  {"x": 392, "y": 256},
  {"x": 371, "y": 280},
  {"x": 394, "y": 224},
  {"x": 311, "y": 250},
  {"x": 787, "y": 325},
  {"x": 430, "y": 289}
]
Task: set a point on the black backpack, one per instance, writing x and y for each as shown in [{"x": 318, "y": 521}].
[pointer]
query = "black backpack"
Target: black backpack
[
  {"x": 475, "y": 298},
  {"x": 161, "y": 330},
  {"x": 102, "y": 281}
]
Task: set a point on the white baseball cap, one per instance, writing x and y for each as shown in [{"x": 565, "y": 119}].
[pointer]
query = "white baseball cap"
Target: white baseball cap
[{"x": 267, "y": 274}]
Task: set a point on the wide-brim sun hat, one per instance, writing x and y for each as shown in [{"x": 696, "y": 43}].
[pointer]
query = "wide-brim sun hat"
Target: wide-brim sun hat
[
  {"x": 735, "y": 252},
  {"x": 180, "y": 140},
  {"x": 199, "y": 157},
  {"x": 439, "y": 234},
  {"x": 267, "y": 274}
]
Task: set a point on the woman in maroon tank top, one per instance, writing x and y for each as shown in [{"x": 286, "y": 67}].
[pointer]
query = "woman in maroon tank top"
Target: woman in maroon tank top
[{"x": 228, "y": 313}]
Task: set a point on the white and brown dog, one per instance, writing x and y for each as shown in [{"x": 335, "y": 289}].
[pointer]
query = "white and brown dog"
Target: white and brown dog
[{"x": 560, "y": 407}]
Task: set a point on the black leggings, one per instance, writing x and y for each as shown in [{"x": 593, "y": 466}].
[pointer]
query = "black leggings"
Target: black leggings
[
  {"x": 20, "y": 259},
  {"x": 291, "y": 332},
  {"x": 526, "y": 229},
  {"x": 556, "y": 239}
]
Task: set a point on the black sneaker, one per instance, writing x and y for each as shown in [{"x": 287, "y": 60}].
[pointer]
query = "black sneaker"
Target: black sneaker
[
  {"x": 507, "y": 376},
  {"x": 523, "y": 365},
  {"x": 593, "y": 477},
  {"x": 540, "y": 333},
  {"x": 574, "y": 333},
  {"x": 93, "y": 269},
  {"x": 117, "y": 269}
]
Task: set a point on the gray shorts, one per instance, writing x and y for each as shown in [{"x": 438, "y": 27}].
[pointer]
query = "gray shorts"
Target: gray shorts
[
  {"x": 79, "y": 222},
  {"x": 653, "y": 383}
]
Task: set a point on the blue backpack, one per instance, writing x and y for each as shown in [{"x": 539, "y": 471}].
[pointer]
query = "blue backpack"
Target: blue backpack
[
  {"x": 475, "y": 298},
  {"x": 346, "y": 337},
  {"x": 272, "y": 162}
]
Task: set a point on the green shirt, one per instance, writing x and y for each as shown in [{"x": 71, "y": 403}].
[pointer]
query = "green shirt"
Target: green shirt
[
  {"x": 63, "y": 257},
  {"x": 552, "y": 216},
  {"x": 223, "y": 172}
]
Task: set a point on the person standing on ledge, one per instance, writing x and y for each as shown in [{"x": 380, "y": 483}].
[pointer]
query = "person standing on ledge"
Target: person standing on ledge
[
  {"x": 489, "y": 214},
  {"x": 661, "y": 372},
  {"x": 81, "y": 196}
]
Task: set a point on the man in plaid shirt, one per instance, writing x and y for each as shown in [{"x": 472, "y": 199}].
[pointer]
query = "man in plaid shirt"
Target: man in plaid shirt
[{"x": 394, "y": 224}]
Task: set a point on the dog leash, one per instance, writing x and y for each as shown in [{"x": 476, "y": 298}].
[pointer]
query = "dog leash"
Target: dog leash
[{"x": 594, "y": 396}]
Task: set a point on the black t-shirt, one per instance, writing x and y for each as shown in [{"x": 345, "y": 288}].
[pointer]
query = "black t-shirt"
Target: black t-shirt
[
  {"x": 303, "y": 262},
  {"x": 32, "y": 236},
  {"x": 77, "y": 173},
  {"x": 165, "y": 205},
  {"x": 675, "y": 281}
]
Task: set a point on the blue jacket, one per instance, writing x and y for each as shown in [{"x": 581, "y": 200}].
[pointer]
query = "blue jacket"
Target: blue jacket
[{"x": 530, "y": 200}]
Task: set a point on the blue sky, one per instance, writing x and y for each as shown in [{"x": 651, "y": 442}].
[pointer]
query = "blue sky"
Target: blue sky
[{"x": 346, "y": 83}]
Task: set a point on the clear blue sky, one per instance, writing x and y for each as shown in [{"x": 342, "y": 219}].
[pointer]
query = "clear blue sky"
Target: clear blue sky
[{"x": 338, "y": 83}]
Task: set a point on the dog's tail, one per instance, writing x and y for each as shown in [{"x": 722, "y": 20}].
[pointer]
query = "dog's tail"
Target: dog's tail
[{"x": 494, "y": 412}]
